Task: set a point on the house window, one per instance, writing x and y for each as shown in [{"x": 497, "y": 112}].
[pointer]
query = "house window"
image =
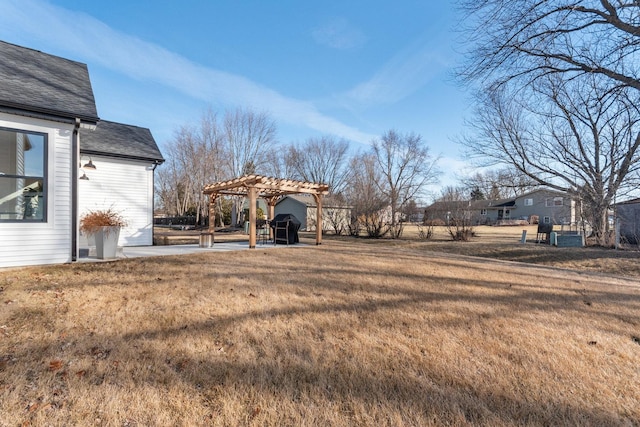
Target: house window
[
  {"x": 547, "y": 220},
  {"x": 504, "y": 214},
  {"x": 22, "y": 176},
  {"x": 528, "y": 202},
  {"x": 554, "y": 201},
  {"x": 483, "y": 212}
]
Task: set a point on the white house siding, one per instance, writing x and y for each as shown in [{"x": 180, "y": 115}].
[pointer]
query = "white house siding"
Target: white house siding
[
  {"x": 126, "y": 186},
  {"x": 36, "y": 243},
  {"x": 332, "y": 217}
]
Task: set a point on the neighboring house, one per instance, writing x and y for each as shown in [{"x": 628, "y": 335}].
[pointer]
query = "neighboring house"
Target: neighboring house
[
  {"x": 445, "y": 212},
  {"x": 628, "y": 213},
  {"x": 303, "y": 207},
  {"x": 551, "y": 207},
  {"x": 47, "y": 108},
  {"x": 548, "y": 206}
]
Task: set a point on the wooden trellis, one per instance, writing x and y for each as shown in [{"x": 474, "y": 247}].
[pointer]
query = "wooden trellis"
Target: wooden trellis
[{"x": 269, "y": 188}]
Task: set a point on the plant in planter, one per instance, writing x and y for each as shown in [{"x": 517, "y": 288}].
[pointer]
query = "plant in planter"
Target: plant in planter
[{"x": 105, "y": 226}]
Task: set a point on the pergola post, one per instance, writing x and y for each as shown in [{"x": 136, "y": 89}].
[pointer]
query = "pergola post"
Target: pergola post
[
  {"x": 253, "y": 198},
  {"x": 318, "y": 198},
  {"x": 207, "y": 238},
  {"x": 212, "y": 213},
  {"x": 271, "y": 203}
]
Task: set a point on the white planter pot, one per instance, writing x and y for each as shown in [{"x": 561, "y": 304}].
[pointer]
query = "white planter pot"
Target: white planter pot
[{"x": 107, "y": 242}]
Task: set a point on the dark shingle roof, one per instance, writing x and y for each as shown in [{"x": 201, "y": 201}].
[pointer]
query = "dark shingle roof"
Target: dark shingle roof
[
  {"x": 119, "y": 140},
  {"x": 35, "y": 82}
]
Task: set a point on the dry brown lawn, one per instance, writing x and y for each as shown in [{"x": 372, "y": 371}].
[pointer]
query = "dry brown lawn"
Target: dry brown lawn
[
  {"x": 354, "y": 332},
  {"x": 503, "y": 243}
]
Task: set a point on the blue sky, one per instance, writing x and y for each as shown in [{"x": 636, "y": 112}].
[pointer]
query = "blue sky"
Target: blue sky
[{"x": 353, "y": 69}]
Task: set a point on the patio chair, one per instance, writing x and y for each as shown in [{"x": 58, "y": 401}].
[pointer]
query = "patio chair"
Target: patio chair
[
  {"x": 263, "y": 232},
  {"x": 281, "y": 232}
]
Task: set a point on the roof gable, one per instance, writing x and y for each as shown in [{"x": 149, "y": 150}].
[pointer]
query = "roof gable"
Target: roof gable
[
  {"x": 120, "y": 140},
  {"x": 36, "y": 82},
  {"x": 545, "y": 191}
]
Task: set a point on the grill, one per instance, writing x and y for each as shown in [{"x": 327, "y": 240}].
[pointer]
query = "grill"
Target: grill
[{"x": 285, "y": 229}]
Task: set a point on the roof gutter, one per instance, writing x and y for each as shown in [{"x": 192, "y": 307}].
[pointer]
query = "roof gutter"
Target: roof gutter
[
  {"x": 155, "y": 160},
  {"x": 48, "y": 113},
  {"x": 75, "y": 150}
]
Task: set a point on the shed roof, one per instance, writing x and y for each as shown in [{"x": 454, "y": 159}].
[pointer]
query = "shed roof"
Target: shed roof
[
  {"x": 36, "y": 83},
  {"x": 308, "y": 201},
  {"x": 120, "y": 140}
]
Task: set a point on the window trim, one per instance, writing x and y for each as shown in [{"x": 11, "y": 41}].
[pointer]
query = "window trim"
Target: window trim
[
  {"x": 552, "y": 202},
  {"x": 528, "y": 201},
  {"x": 44, "y": 177}
]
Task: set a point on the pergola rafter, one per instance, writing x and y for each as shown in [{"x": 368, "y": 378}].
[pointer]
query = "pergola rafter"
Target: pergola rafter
[{"x": 269, "y": 188}]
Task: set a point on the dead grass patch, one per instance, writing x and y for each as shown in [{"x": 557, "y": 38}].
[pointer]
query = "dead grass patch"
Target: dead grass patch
[{"x": 349, "y": 333}]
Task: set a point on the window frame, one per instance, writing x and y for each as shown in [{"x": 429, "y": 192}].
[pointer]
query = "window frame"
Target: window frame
[
  {"x": 528, "y": 201},
  {"x": 552, "y": 202},
  {"x": 44, "y": 177}
]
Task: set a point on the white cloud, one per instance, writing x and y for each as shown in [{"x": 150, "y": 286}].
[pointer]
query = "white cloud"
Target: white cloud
[
  {"x": 90, "y": 40},
  {"x": 408, "y": 71},
  {"x": 339, "y": 34}
]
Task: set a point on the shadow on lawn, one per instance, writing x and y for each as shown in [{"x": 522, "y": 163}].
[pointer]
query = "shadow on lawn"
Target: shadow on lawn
[{"x": 434, "y": 395}]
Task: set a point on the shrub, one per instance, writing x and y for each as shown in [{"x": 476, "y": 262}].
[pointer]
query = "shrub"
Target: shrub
[
  {"x": 374, "y": 225},
  {"x": 91, "y": 222},
  {"x": 425, "y": 233},
  {"x": 462, "y": 234}
]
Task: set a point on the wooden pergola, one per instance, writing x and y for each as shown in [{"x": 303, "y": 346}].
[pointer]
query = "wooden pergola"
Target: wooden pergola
[{"x": 269, "y": 188}]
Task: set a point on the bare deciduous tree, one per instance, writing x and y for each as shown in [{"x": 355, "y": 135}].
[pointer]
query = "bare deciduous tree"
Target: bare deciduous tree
[
  {"x": 194, "y": 159},
  {"x": 278, "y": 162},
  {"x": 248, "y": 137},
  {"x": 559, "y": 82},
  {"x": 525, "y": 40},
  {"x": 322, "y": 160},
  {"x": 209, "y": 152},
  {"x": 568, "y": 136},
  {"x": 170, "y": 187},
  {"x": 176, "y": 175},
  {"x": 453, "y": 206},
  {"x": 363, "y": 193},
  {"x": 499, "y": 183},
  {"x": 406, "y": 168}
]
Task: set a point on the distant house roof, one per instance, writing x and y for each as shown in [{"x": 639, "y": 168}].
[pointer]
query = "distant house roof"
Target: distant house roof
[
  {"x": 502, "y": 203},
  {"x": 628, "y": 202},
  {"x": 488, "y": 204},
  {"x": 308, "y": 201},
  {"x": 453, "y": 205},
  {"x": 37, "y": 84},
  {"x": 120, "y": 140}
]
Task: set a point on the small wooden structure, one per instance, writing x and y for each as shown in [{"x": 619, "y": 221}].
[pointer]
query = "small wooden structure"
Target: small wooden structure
[{"x": 270, "y": 189}]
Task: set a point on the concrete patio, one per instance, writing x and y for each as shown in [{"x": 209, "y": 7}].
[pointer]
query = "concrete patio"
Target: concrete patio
[{"x": 165, "y": 250}]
